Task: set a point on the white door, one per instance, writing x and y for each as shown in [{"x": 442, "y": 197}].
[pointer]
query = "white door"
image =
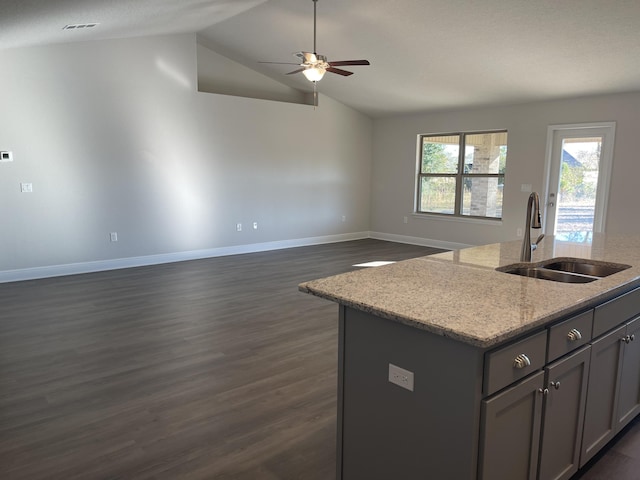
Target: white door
[{"x": 578, "y": 169}]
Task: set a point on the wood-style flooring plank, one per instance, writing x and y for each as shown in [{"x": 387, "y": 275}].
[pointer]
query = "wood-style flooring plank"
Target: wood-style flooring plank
[{"x": 215, "y": 368}]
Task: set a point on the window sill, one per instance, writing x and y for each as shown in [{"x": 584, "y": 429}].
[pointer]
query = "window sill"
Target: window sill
[{"x": 445, "y": 218}]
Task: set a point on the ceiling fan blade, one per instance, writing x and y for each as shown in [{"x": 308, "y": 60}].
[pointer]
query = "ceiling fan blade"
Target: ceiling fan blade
[
  {"x": 281, "y": 63},
  {"x": 296, "y": 71},
  {"x": 349, "y": 62},
  {"x": 339, "y": 71}
]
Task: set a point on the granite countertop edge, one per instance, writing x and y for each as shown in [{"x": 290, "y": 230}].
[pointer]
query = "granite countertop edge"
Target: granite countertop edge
[
  {"x": 463, "y": 336},
  {"x": 521, "y": 305}
]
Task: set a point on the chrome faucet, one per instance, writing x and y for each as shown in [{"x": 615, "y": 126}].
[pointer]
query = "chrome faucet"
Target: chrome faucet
[{"x": 531, "y": 222}]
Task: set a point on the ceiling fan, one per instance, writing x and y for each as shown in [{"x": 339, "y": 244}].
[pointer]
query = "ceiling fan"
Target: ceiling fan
[{"x": 314, "y": 66}]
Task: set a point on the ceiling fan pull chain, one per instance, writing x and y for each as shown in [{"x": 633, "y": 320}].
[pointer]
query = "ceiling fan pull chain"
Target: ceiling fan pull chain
[{"x": 315, "y": 93}]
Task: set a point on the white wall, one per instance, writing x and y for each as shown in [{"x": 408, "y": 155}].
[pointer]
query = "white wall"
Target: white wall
[
  {"x": 219, "y": 74},
  {"x": 394, "y": 165},
  {"x": 115, "y": 138}
]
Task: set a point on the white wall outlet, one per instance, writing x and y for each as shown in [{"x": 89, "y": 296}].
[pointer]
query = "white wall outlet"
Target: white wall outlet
[
  {"x": 6, "y": 156},
  {"x": 238, "y": 227},
  {"x": 525, "y": 187},
  {"x": 344, "y": 218},
  {"x": 255, "y": 225},
  {"x": 113, "y": 236},
  {"x": 26, "y": 187},
  {"x": 406, "y": 219},
  {"x": 401, "y": 377}
]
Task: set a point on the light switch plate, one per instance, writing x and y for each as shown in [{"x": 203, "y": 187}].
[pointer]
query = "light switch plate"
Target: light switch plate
[{"x": 26, "y": 187}]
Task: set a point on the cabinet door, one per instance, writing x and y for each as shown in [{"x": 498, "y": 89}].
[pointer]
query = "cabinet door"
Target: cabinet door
[
  {"x": 563, "y": 415},
  {"x": 629, "y": 396},
  {"x": 604, "y": 377},
  {"x": 511, "y": 431}
]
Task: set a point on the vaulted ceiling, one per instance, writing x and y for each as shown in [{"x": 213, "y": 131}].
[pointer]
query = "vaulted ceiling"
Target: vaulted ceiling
[{"x": 425, "y": 54}]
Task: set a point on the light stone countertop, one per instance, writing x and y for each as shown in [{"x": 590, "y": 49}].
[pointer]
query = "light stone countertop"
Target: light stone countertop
[{"x": 459, "y": 294}]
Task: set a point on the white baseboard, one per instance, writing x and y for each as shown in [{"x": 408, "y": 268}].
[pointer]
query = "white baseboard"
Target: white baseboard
[
  {"x": 425, "y": 242},
  {"x": 118, "y": 263}
]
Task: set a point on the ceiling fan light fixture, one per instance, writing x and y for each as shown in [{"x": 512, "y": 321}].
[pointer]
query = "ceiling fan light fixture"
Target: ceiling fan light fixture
[{"x": 314, "y": 74}]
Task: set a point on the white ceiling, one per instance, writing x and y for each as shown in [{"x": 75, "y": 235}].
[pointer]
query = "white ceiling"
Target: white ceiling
[{"x": 425, "y": 54}]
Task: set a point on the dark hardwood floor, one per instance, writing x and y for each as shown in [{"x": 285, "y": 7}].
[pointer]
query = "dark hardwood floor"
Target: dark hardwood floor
[
  {"x": 214, "y": 368},
  {"x": 209, "y": 369},
  {"x": 620, "y": 460}
]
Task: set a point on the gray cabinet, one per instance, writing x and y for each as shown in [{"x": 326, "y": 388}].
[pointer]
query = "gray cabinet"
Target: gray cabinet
[
  {"x": 604, "y": 377},
  {"x": 615, "y": 374},
  {"x": 507, "y": 365},
  {"x": 563, "y": 415},
  {"x": 629, "y": 390},
  {"x": 533, "y": 429},
  {"x": 511, "y": 431}
]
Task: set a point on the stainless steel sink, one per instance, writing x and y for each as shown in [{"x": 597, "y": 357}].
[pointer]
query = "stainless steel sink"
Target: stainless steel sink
[
  {"x": 565, "y": 270},
  {"x": 553, "y": 275},
  {"x": 587, "y": 268}
]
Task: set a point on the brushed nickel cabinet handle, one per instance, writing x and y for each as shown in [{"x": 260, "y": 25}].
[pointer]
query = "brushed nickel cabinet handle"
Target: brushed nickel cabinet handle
[
  {"x": 556, "y": 385},
  {"x": 573, "y": 335},
  {"x": 521, "y": 361}
]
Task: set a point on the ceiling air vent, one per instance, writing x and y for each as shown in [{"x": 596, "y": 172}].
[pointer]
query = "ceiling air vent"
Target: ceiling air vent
[{"x": 80, "y": 26}]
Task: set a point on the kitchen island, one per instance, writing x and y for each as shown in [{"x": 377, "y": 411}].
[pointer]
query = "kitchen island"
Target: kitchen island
[{"x": 451, "y": 369}]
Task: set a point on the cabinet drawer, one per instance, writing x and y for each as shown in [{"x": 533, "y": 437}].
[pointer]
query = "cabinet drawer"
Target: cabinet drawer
[
  {"x": 569, "y": 335},
  {"x": 513, "y": 362},
  {"x": 616, "y": 311}
]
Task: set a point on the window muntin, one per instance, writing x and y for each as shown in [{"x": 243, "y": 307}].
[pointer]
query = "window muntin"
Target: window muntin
[{"x": 462, "y": 174}]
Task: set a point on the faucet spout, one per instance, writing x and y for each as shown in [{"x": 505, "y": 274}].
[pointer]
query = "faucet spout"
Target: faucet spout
[{"x": 532, "y": 221}]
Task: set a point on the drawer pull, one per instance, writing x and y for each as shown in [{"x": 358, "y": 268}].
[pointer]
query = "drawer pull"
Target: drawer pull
[
  {"x": 632, "y": 337},
  {"x": 556, "y": 385},
  {"x": 626, "y": 339},
  {"x": 574, "y": 335},
  {"x": 521, "y": 361}
]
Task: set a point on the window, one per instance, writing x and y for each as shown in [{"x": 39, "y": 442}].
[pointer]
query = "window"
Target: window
[{"x": 462, "y": 174}]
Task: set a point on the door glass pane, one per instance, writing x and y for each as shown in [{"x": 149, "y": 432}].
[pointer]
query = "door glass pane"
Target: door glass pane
[
  {"x": 579, "y": 170},
  {"x": 440, "y": 154},
  {"x": 438, "y": 194},
  {"x": 482, "y": 196}
]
